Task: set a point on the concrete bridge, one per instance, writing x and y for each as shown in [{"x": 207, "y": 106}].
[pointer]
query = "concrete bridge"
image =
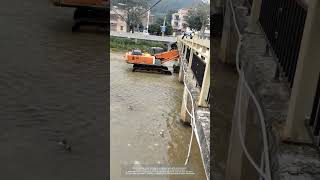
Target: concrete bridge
[
  {"x": 142, "y": 36},
  {"x": 195, "y": 74}
]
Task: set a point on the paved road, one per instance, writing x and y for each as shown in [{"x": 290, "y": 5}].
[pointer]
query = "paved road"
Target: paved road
[{"x": 142, "y": 36}]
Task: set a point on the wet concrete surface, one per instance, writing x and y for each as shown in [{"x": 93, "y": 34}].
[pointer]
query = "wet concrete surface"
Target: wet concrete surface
[
  {"x": 143, "y": 105},
  {"x": 52, "y": 87}
]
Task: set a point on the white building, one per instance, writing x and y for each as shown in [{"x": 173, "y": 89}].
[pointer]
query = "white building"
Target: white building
[
  {"x": 178, "y": 21},
  {"x": 117, "y": 22}
]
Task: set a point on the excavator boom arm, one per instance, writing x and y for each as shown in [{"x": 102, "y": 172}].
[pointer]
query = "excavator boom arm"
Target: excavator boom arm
[{"x": 172, "y": 55}]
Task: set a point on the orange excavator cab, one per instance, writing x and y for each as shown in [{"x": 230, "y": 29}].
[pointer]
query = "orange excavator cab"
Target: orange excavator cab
[{"x": 153, "y": 60}]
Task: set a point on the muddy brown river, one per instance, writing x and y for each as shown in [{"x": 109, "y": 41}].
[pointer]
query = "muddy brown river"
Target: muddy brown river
[{"x": 143, "y": 105}]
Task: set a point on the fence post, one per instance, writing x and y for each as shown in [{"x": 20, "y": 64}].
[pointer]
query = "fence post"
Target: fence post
[
  {"x": 235, "y": 154},
  {"x": 306, "y": 77},
  {"x": 182, "y": 60},
  {"x": 184, "y": 116},
  {"x": 254, "y": 17},
  {"x": 205, "y": 86}
]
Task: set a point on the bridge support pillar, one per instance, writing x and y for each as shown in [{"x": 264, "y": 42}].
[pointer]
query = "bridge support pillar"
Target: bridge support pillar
[
  {"x": 181, "y": 73},
  {"x": 306, "y": 77},
  {"x": 184, "y": 116},
  {"x": 235, "y": 154}
]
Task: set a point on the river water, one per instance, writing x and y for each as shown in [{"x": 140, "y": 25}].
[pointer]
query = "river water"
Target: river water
[
  {"x": 142, "y": 106},
  {"x": 52, "y": 87}
]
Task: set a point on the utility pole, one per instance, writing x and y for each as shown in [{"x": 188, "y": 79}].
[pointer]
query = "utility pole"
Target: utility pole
[
  {"x": 164, "y": 25},
  {"x": 148, "y": 21}
]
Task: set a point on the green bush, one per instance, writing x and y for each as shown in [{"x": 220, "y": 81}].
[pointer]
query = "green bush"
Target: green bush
[{"x": 125, "y": 44}]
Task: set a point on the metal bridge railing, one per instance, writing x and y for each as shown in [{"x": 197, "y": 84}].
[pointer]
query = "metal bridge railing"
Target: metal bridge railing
[
  {"x": 283, "y": 23},
  {"x": 198, "y": 67},
  {"x": 314, "y": 121},
  {"x": 263, "y": 169},
  {"x": 188, "y": 46}
]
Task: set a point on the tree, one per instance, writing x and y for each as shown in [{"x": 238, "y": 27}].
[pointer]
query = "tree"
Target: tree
[
  {"x": 134, "y": 10},
  {"x": 169, "y": 14},
  {"x": 198, "y": 17}
]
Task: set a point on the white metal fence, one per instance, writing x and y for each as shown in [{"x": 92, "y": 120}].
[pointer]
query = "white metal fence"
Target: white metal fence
[{"x": 263, "y": 169}]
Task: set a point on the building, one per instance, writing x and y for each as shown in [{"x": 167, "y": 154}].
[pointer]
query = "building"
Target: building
[
  {"x": 267, "y": 87},
  {"x": 178, "y": 21},
  {"x": 117, "y": 22}
]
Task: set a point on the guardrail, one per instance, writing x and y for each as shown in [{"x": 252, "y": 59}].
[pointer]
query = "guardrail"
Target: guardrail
[
  {"x": 263, "y": 169},
  {"x": 198, "y": 44},
  {"x": 200, "y": 48},
  {"x": 188, "y": 48}
]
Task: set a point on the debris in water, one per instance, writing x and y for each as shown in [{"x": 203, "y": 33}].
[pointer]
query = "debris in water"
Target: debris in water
[
  {"x": 65, "y": 145},
  {"x": 161, "y": 134},
  {"x": 156, "y": 144},
  {"x": 129, "y": 145}
]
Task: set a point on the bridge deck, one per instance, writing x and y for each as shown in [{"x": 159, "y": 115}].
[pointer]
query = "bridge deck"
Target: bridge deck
[{"x": 143, "y": 37}]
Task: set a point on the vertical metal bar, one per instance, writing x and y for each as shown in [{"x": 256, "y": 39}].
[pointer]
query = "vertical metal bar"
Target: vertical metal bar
[
  {"x": 278, "y": 47},
  {"x": 291, "y": 11},
  {"x": 315, "y": 104},
  {"x": 283, "y": 33},
  {"x": 295, "y": 44},
  {"x": 286, "y": 26},
  {"x": 267, "y": 50},
  {"x": 316, "y": 127},
  {"x": 300, "y": 24}
]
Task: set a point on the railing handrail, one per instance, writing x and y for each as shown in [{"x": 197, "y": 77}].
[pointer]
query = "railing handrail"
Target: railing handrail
[
  {"x": 266, "y": 175},
  {"x": 194, "y": 41},
  {"x": 204, "y": 41}
]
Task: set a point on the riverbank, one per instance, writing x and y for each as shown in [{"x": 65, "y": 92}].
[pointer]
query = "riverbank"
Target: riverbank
[{"x": 118, "y": 44}]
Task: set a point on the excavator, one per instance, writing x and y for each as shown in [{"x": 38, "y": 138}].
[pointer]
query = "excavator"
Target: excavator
[
  {"x": 87, "y": 12},
  {"x": 153, "y": 60}
]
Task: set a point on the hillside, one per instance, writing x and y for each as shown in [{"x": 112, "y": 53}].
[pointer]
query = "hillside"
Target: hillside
[{"x": 165, "y": 5}]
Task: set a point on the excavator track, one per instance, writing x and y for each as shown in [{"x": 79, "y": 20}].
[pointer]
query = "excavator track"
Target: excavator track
[{"x": 151, "y": 68}]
